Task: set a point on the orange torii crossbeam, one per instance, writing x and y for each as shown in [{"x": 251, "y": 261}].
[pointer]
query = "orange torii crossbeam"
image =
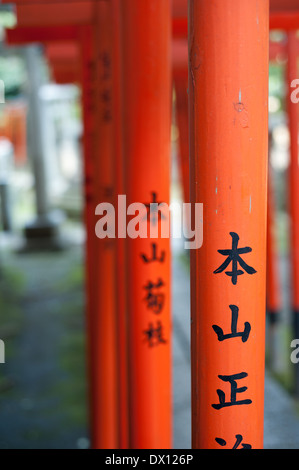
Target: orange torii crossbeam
[
  {"x": 54, "y": 14},
  {"x": 146, "y": 90},
  {"x": 228, "y": 93}
]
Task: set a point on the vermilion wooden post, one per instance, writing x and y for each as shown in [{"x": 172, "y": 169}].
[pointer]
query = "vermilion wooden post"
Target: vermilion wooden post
[
  {"x": 146, "y": 34},
  {"x": 105, "y": 430},
  {"x": 292, "y": 106},
  {"x": 121, "y": 280},
  {"x": 228, "y": 89}
]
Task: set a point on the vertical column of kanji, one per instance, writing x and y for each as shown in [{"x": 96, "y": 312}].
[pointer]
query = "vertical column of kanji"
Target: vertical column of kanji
[
  {"x": 105, "y": 429},
  {"x": 120, "y": 241},
  {"x": 292, "y": 106},
  {"x": 228, "y": 86},
  {"x": 146, "y": 36},
  {"x": 88, "y": 115}
]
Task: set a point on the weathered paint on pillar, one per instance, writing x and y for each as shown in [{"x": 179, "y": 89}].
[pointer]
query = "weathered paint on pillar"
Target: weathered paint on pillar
[
  {"x": 228, "y": 86},
  {"x": 146, "y": 34}
]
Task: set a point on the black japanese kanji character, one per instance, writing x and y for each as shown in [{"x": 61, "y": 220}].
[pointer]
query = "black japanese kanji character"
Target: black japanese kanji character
[
  {"x": 154, "y": 257},
  {"x": 155, "y": 301},
  {"x": 106, "y": 65},
  {"x": 153, "y": 210},
  {"x": 239, "y": 439},
  {"x": 234, "y": 334},
  {"x": 233, "y": 256},
  {"x": 154, "y": 335},
  {"x": 232, "y": 379}
]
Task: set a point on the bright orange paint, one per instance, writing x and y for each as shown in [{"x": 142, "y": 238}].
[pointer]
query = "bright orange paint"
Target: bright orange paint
[
  {"x": 146, "y": 34},
  {"x": 228, "y": 89}
]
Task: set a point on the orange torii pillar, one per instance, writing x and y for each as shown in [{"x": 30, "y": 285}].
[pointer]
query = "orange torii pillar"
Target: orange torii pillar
[
  {"x": 292, "y": 106},
  {"x": 146, "y": 50},
  {"x": 89, "y": 82},
  {"x": 105, "y": 432},
  {"x": 121, "y": 281},
  {"x": 228, "y": 92}
]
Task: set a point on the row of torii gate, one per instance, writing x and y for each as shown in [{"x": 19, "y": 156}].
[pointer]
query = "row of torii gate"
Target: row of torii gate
[{"x": 127, "y": 54}]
